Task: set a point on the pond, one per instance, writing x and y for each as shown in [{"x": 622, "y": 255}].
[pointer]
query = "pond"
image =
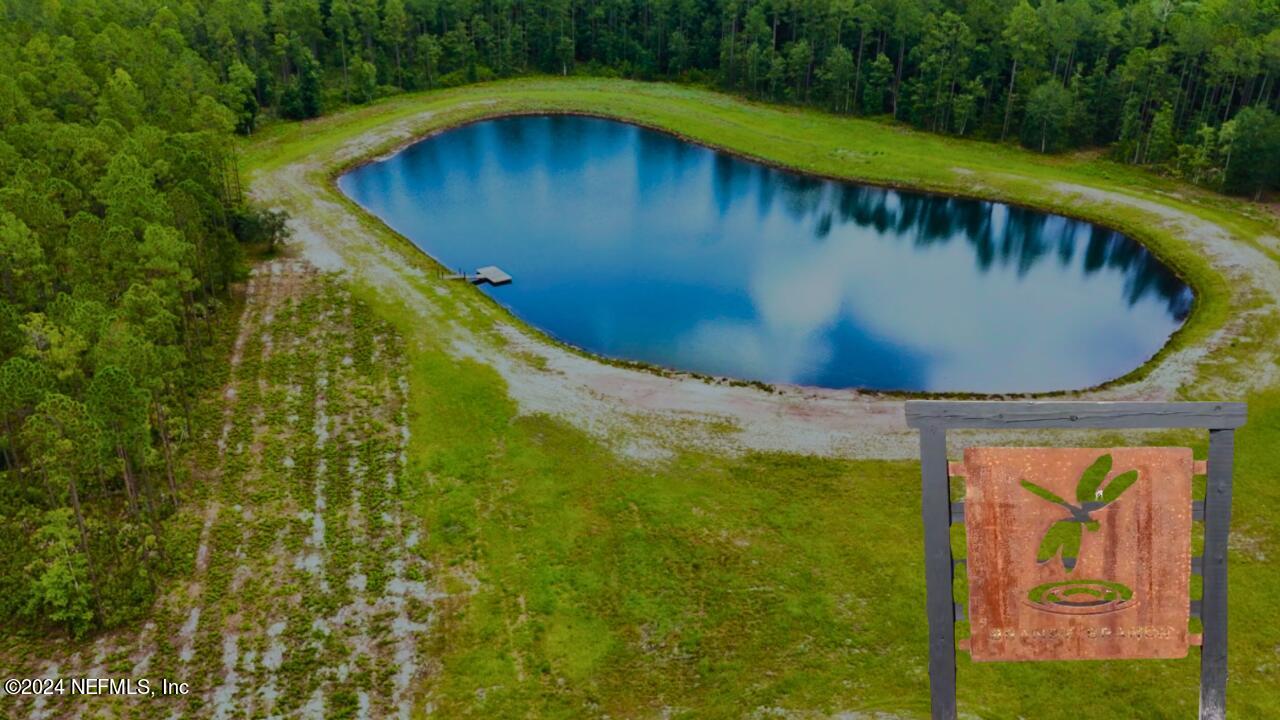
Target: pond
[{"x": 635, "y": 244}]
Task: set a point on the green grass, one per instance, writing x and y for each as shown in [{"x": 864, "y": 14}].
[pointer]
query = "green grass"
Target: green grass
[
  {"x": 717, "y": 587},
  {"x": 822, "y": 144}
]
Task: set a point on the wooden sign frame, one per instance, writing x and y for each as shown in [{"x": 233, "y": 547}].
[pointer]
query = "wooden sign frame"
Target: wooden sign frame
[{"x": 933, "y": 418}]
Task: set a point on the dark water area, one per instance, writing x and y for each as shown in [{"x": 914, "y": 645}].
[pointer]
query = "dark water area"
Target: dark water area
[{"x": 634, "y": 244}]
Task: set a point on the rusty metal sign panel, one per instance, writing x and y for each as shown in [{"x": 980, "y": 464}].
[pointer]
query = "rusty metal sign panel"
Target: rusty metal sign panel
[{"x": 1077, "y": 553}]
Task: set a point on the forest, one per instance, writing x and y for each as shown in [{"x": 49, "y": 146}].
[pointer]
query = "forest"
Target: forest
[
  {"x": 121, "y": 227},
  {"x": 1189, "y": 89},
  {"x": 123, "y": 223}
]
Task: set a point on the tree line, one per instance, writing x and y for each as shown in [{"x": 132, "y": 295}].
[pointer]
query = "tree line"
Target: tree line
[
  {"x": 121, "y": 227},
  {"x": 1187, "y": 88}
]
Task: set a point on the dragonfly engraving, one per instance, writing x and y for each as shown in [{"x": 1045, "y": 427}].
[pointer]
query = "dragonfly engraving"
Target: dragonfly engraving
[{"x": 1064, "y": 536}]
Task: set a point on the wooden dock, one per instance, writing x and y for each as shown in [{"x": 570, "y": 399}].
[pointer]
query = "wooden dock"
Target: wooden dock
[{"x": 491, "y": 274}]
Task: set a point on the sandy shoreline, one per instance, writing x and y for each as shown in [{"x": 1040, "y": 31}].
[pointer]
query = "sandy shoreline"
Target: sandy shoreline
[{"x": 645, "y": 414}]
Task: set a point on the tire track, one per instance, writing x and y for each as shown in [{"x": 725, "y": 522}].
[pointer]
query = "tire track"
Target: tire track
[{"x": 304, "y": 595}]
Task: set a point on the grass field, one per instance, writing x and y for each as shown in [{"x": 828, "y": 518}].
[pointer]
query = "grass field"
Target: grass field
[
  {"x": 760, "y": 585},
  {"x": 303, "y": 595}
]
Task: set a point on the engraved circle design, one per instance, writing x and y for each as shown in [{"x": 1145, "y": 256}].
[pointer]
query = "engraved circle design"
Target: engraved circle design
[{"x": 1081, "y": 597}]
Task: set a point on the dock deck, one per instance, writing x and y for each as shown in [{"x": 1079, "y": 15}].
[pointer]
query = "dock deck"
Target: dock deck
[{"x": 491, "y": 274}]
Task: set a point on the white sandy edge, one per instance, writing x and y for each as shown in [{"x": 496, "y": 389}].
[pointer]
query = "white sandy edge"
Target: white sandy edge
[{"x": 644, "y": 414}]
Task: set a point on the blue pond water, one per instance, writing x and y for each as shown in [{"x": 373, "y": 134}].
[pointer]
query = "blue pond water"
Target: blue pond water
[{"x": 634, "y": 244}]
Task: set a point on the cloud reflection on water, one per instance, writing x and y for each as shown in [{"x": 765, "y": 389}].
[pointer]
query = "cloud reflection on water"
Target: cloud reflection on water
[{"x": 635, "y": 244}]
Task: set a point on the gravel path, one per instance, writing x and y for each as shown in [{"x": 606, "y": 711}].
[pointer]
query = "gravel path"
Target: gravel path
[{"x": 644, "y": 414}]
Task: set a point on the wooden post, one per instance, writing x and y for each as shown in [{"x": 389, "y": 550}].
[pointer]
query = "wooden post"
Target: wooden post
[
  {"x": 935, "y": 502},
  {"x": 1213, "y": 606}
]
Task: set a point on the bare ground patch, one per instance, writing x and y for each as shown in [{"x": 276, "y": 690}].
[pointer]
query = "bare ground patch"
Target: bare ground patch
[{"x": 305, "y": 595}]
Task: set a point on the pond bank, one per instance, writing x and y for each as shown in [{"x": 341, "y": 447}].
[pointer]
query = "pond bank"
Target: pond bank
[{"x": 1230, "y": 264}]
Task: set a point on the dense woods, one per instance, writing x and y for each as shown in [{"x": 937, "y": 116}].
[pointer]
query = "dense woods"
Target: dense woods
[
  {"x": 121, "y": 216},
  {"x": 1188, "y": 88},
  {"x": 121, "y": 224}
]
